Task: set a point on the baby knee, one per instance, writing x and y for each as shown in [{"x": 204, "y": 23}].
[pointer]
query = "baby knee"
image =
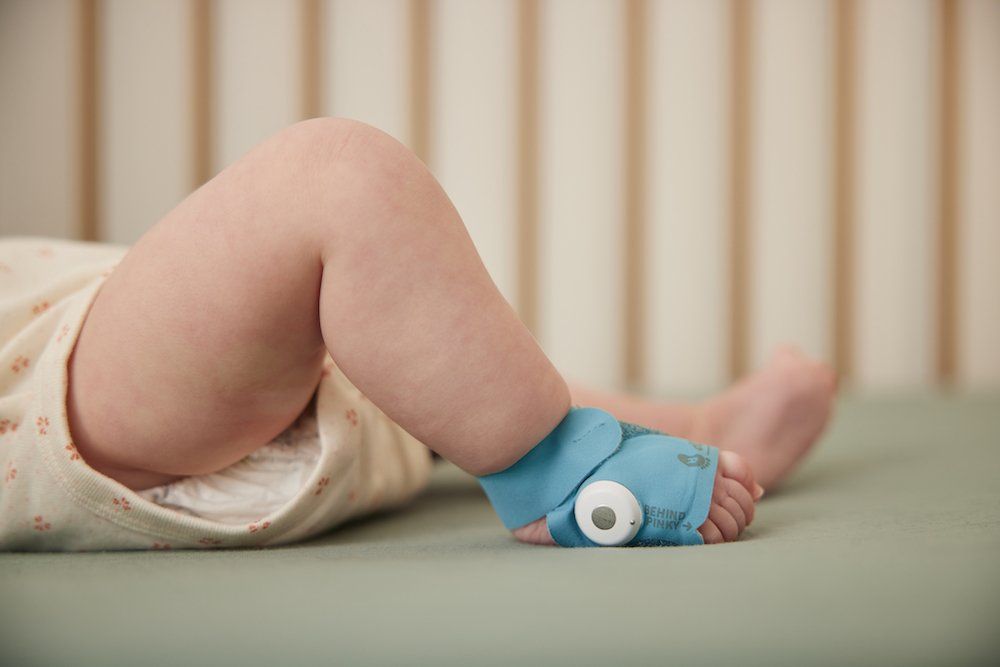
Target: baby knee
[
  {"x": 342, "y": 146},
  {"x": 360, "y": 172}
]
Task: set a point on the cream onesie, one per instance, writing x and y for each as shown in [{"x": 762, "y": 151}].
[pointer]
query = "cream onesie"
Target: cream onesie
[{"x": 342, "y": 458}]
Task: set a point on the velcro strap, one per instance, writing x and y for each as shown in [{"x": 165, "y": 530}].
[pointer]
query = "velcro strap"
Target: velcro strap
[{"x": 544, "y": 477}]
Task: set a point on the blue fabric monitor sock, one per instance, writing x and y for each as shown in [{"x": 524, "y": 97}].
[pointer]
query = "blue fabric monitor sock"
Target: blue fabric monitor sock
[
  {"x": 547, "y": 475},
  {"x": 633, "y": 485},
  {"x": 671, "y": 478}
]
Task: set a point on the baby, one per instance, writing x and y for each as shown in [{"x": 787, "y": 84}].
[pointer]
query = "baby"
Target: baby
[{"x": 273, "y": 356}]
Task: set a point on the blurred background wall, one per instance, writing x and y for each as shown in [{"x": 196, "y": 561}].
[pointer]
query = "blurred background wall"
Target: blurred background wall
[{"x": 664, "y": 189}]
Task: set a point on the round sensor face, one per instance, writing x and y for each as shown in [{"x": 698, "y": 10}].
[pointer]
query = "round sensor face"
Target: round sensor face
[
  {"x": 607, "y": 513},
  {"x": 603, "y": 517}
]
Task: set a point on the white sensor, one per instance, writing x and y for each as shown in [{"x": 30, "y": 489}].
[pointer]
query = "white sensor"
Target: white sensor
[{"x": 607, "y": 513}]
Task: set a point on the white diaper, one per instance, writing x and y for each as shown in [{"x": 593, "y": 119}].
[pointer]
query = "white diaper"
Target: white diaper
[{"x": 255, "y": 487}]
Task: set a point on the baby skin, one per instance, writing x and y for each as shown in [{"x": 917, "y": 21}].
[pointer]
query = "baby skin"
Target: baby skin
[{"x": 331, "y": 237}]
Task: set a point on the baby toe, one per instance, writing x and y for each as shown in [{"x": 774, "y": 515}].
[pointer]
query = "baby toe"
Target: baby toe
[
  {"x": 735, "y": 511},
  {"x": 725, "y": 522},
  {"x": 738, "y": 494},
  {"x": 735, "y": 467},
  {"x": 711, "y": 533},
  {"x": 536, "y": 532}
]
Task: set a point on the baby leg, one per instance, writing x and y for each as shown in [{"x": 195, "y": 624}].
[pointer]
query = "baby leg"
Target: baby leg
[
  {"x": 328, "y": 237},
  {"x": 331, "y": 235},
  {"x": 772, "y": 417}
]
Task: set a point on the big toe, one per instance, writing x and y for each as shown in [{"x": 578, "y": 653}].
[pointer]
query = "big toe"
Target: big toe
[{"x": 735, "y": 467}]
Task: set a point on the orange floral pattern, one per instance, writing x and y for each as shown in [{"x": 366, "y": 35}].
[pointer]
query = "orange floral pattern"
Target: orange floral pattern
[
  {"x": 20, "y": 363},
  {"x": 321, "y": 485},
  {"x": 258, "y": 526}
]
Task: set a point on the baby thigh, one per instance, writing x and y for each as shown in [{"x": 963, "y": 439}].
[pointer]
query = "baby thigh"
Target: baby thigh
[
  {"x": 205, "y": 342},
  {"x": 209, "y": 337}
]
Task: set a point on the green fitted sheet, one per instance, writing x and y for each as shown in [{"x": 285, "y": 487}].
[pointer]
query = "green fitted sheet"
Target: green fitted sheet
[{"x": 883, "y": 549}]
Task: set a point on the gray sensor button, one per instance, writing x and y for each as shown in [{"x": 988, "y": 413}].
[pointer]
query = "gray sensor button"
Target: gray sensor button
[{"x": 603, "y": 517}]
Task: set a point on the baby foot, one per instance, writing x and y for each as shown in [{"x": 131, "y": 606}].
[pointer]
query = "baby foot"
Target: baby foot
[
  {"x": 731, "y": 511},
  {"x": 536, "y": 532},
  {"x": 733, "y": 499},
  {"x": 773, "y": 416}
]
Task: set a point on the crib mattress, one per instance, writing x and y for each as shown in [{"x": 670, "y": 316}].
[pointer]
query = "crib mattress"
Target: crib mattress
[{"x": 883, "y": 549}]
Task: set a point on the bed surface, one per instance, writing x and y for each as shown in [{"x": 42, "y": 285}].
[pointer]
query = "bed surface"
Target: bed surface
[{"x": 883, "y": 549}]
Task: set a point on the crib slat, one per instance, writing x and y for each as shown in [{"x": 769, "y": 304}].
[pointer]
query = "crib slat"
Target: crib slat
[
  {"x": 634, "y": 181},
  {"x": 146, "y": 84},
  {"x": 791, "y": 161},
  {"x": 311, "y": 51},
  {"x": 202, "y": 95},
  {"x": 687, "y": 214},
  {"x": 39, "y": 119},
  {"x": 978, "y": 272},
  {"x": 845, "y": 28},
  {"x": 948, "y": 174},
  {"x": 527, "y": 162},
  {"x": 474, "y": 125},
  {"x": 580, "y": 128},
  {"x": 739, "y": 253},
  {"x": 896, "y": 193},
  {"x": 258, "y": 75},
  {"x": 366, "y": 76}
]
